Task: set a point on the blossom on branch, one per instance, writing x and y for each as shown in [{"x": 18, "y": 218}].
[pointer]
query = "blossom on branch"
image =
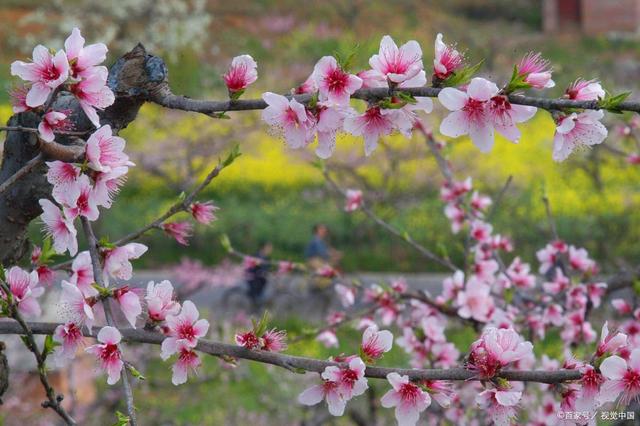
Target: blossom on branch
[
  {"x": 576, "y": 131},
  {"x": 24, "y": 290},
  {"x": 83, "y": 58},
  {"x": 203, "y": 212},
  {"x": 160, "y": 301},
  {"x": 52, "y": 121},
  {"x": 46, "y": 73},
  {"x": 179, "y": 231},
  {"x": 183, "y": 328},
  {"x": 108, "y": 353},
  {"x": 397, "y": 65},
  {"x": 447, "y": 59},
  {"x": 335, "y": 85},
  {"x": 407, "y": 398},
  {"x": 242, "y": 72},
  {"x": 535, "y": 71},
  {"x": 59, "y": 227}
]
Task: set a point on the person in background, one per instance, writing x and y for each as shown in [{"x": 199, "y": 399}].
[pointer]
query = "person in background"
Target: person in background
[
  {"x": 319, "y": 254},
  {"x": 256, "y": 276},
  {"x": 318, "y": 251}
]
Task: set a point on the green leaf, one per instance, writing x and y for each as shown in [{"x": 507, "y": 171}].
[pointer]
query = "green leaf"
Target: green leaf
[
  {"x": 226, "y": 243},
  {"x": 407, "y": 97},
  {"x": 463, "y": 76},
  {"x": 182, "y": 196},
  {"x": 221, "y": 115},
  {"x": 636, "y": 287},
  {"x": 49, "y": 346},
  {"x": 134, "y": 372},
  {"x": 231, "y": 157},
  {"x": 260, "y": 327},
  {"x": 517, "y": 81},
  {"x": 122, "y": 419},
  {"x": 612, "y": 102},
  {"x": 345, "y": 60},
  {"x": 104, "y": 242},
  {"x": 236, "y": 95},
  {"x": 102, "y": 291},
  {"x": 2, "y": 274}
]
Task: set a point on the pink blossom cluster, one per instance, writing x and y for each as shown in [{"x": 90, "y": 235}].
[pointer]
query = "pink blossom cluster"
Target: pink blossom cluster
[{"x": 77, "y": 69}]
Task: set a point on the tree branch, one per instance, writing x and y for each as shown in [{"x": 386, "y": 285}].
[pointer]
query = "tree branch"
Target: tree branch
[
  {"x": 53, "y": 401},
  {"x": 167, "y": 99},
  {"x": 310, "y": 364}
]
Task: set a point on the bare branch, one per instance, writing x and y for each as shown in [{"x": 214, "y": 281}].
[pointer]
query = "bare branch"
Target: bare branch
[
  {"x": 167, "y": 99},
  {"x": 25, "y": 170},
  {"x": 53, "y": 401},
  {"x": 310, "y": 364}
]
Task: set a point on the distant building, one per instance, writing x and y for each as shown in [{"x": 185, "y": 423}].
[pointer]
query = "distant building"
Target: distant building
[{"x": 591, "y": 16}]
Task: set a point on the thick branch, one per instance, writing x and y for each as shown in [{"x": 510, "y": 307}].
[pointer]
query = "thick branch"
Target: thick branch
[{"x": 309, "y": 364}]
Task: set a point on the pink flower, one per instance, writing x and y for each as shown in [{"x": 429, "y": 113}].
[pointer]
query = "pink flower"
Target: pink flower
[
  {"x": 373, "y": 124},
  {"x": 330, "y": 120},
  {"x": 481, "y": 231},
  {"x": 24, "y": 290},
  {"x": 52, "y": 121},
  {"x": 375, "y": 343},
  {"x": 440, "y": 390},
  {"x": 160, "y": 301},
  {"x": 447, "y": 59},
  {"x": 18, "y": 97},
  {"x": 241, "y": 73},
  {"x": 495, "y": 349},
  {"x": 408, "y": 399},
  {"x": 633, "y": 158},
  {"x": 351, "y": 381},
  {"x": 354, "y": 200},
  {"x": 579, "y": 259},
  {"x": 129, "y": 302},
  {"x": 535, "y": 70},
  {"x": 59, "y": 228},
  {"x": 470, "y": 112},
  {"x": 578, "y": 130},
  {"x": 397, "y": 64},
  {"x": 372, "y": 78},
  {"x": 610, "y": 342},
  {"x": 328, "y": 391},
  {"x": 185, "y": 327},
  {"x": 500, "y": 405},
  {"x": 506, "y": 345},
  {"x": 75, "y": 305},
  {"x": 505, "y": 116},
  {"x": 203, "y": 212},
  {"x": 79, "y": 200},
  {"x": 82, "y": 274},
  {"x": 335, "y": 85},
  {"x": 328, "y": 338},
  {"x": 69, "y": 336},
  {"x": 456, "y": 215},
  {"x": 248, "y": 340},
  {"x": 63, "y": 177},
  {"x": 346, "y": 294},
  {"x": 187, "y": 360},
  {"x": 623, "y": 377},
  {"x": 46, "y": 73},
  {"x": 117, "y": 261},
  {"x": 596, "y": 291},
  {"x": 108, "y": 353},
  {"x": 559, "y": 284},
  {"x": 479, "y": 202},
  {"x": 585, "y": 90},
  {"x": 622, "y": 306},
  {"x": 451, "y": 191},
  {"x": 274, "y": 340},
  {"x": 93, "y": 93},
  {"x": 289, "y": 117},
  {"x": 107, "y": 185},
  {"x": 105, "y": 151},
  {"x": 180, "y": 231},
  {"x": 81, "y": 58},
  {"x": 46, "y": 275},
  {"x": 590, "y": 382},
  {"x": 475, "y": 301}
]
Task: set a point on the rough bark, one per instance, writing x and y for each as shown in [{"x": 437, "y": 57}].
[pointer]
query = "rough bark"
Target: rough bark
[{"x": 133, "y": 78}]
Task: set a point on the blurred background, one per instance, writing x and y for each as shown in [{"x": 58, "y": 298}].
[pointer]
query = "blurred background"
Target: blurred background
[{"x": 275, "y": 194}]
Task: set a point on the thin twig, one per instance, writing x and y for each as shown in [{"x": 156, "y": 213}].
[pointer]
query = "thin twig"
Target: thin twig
[
  {"x": 394, "y": 231},
  {"x": 53, "y": 401},
  {"x": 35, "y": 130},
  {"x": 552, "y": 222},
  {"x": 310, "y": 364},
  {"x": 97, "y": 273},
  {"x": 25, "y": 170}
]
